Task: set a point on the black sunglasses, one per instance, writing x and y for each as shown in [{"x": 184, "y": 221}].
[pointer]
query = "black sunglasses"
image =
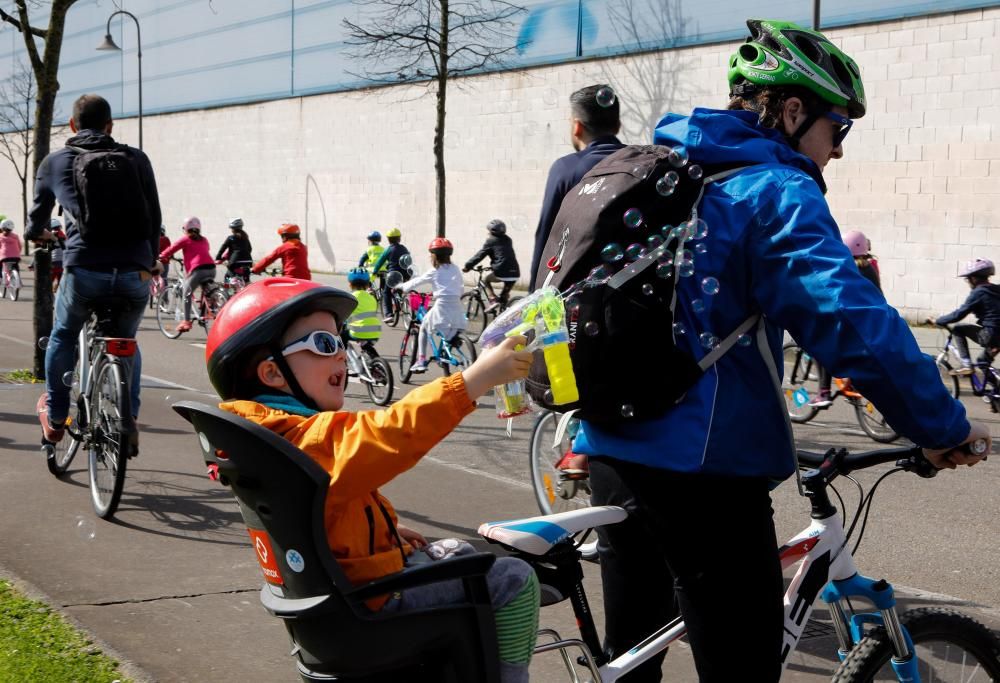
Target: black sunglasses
[{"x": 845, "y": 127}]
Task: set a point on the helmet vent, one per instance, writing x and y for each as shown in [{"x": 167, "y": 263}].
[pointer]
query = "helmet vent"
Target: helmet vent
[
  {"x": 748, "y": 53},
  {"x": 843, "y": 75},
  {"x": 808, "y": 47}
]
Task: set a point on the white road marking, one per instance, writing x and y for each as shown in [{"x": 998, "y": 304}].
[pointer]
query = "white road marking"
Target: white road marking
[
  {"x": 480, "y": 473},
  {"x": 16, "y": 340},
  {"x": 199, "y": 345}
]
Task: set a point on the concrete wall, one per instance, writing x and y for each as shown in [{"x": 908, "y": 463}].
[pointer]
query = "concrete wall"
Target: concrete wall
[{"x": 921, "y": 173}]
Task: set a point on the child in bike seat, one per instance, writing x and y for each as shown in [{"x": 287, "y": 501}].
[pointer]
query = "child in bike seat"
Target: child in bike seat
[
  {"x": 503, "y": 261},
  {"x": 446, "y": 316},
  {"x": 274, "y": 357},
  {"x": 364, "y": 325},
  {"x": 984, "y": 302},
  {"x": 198, "y": 264}
]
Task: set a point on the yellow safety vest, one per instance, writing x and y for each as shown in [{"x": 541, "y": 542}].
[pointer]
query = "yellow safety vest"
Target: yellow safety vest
[
  {"x": 364, "y": 323},
  {"x": 374, "y": 252}
]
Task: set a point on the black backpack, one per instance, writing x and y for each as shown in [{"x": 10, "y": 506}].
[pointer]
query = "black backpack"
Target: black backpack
[
  {"x": 113, "y": 208},
  {"x": 610, "y": 255}
]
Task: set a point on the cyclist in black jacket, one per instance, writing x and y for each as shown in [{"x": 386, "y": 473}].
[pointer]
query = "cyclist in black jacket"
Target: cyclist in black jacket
[
  {"x": 239, "y": 258},
  {"x": 499, "y": 247},
  {"x": 984, "y": 302}
]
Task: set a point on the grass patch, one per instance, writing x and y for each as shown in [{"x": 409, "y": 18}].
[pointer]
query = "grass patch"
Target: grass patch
[
  {"x": 19, "y": 377},
  {"x": 36, "y": 644}
]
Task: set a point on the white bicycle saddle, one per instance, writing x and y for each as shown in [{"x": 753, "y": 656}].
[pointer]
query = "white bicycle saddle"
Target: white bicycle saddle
[{"x": 537, "y": 535}]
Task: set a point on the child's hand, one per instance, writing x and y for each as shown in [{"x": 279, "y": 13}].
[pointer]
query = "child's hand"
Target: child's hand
[
  {"x": 498, "y": 365},
  {"x": 414, "y": 538}
]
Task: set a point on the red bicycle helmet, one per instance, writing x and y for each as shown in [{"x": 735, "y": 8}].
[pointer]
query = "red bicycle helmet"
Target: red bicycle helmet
[
  {"x": 257, "y": 317},
  {"x": 441, "y": 246},
  {"x": 289, "y": 230}
]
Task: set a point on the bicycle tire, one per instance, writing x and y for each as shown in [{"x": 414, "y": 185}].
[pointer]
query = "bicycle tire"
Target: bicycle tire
[
  {"x": 396, "y": 306},
  {"x": 380, "y": 389},
  {"x": 475, "y": 314},
  {"x": 169, "y": 312},
  {"x": 950, "y": 381},
  {"x": 110, "y": 440},
  {"x": 215, "y": 300},
  {"x": 801, "y": 375},
  {"x": 464, "y": 354},
  {"x": 873, "y": 422},
  {"x": 15, "y": 288},
  {"x": 553, "y": 493},
  {"x": 869, "y": 660},
  {"x": 408, "y": 353},
  {"x": 59, "y": 457}
]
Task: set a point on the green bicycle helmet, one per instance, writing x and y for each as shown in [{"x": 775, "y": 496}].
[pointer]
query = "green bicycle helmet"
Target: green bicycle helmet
[{"x": 782, "y": 53}]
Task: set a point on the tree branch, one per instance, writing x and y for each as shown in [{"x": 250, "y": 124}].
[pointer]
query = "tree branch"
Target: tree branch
[{"x": 17, "y": 24}]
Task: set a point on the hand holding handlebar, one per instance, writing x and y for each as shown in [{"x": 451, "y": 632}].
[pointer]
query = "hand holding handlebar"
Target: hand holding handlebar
[{"x": 974, "y": 448}]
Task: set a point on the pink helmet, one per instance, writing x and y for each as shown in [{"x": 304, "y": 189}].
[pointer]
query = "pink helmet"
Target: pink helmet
[
  {"x": 982, "y": 267},
  {"x": 192, "y": 223},
  {"x": 856, "y": 242}
]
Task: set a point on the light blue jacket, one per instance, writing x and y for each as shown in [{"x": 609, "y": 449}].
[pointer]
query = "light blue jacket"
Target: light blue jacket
[{"x": 775, "y": 249}]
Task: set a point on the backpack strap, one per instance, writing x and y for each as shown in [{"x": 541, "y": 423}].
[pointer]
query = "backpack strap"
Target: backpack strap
[{"x": 715, "y": 354}]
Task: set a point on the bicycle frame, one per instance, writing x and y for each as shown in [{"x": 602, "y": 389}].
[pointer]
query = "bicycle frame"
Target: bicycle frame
[
  {"x": 978, "y": 384},
  {"x": 359, "y": 360}
]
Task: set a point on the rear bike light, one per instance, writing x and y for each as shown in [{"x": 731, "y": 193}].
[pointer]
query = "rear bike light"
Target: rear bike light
[{"x": 121, "y": 347}]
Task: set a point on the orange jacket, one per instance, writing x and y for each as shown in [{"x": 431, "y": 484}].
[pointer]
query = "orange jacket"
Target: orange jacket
[
  {"x": 294, "y": 260},
  {"x": 362, "y": 451}
]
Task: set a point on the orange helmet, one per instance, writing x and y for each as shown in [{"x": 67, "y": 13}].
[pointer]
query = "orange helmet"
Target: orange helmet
[
  {"x": 441, "y": 246},
  {"x": 288, "y": 230}
]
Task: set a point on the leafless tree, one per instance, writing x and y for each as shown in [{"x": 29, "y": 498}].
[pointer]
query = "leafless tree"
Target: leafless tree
[
  {"x": 652, "y": 82},
  {"x": 431, "y": 41},
  {"x": 45, "y": 67},
  {"x": 17, "y": 94}
]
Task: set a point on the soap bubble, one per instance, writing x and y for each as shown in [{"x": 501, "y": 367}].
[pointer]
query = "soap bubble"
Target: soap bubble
[
  {"x": 710, "y": 286},
  {"x": 69, "y": 378},
  {"x": 405, "y": 261},
  {"x": 685, "y": 255},
  {"x": 698, "y": 228},
  {"x": 667, "y": 231},
  {"x": 708, "y": 340},
  {"x": 679, "y": 330},
  {"x": 653, "y": 242},
  {"x": 551, "y": 97},
  {"x": 599, "y": 274},
  {"x": 633, "y": 251},
  {"x": 606, "y": 97},
  {"x": 700, "y": 248},
  {"x": 744, "y": 340},
  {"x": 686, "y": 268},
  {"x": 681, "y": 232},
  {"x": 648, "y": 290},
  {"x": 677, "y": 157},
  {"x": 673, "y": 177},
  {"x": 548, "y": 396},
  {"x": 698, "y": 305},
  {"x": 628, "y": 410},
  {"x": 666, "y": 258},
  {"x": 695, "y": 172},
  {"x": 664, "y": 270},
  {"x": 665, "y": 187},
  {"x": 633, "y": 218},
  {"x": 612, "y": 253},
  {"x": 573, "y": 303},
  {"x": 43, "y": 343},
  {"x": 592, "y": 329},
  {"x": 85, "y": 528}
]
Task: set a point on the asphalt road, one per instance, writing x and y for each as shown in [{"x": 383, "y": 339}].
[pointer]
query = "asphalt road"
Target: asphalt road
[{"x": 171, "y": 585}]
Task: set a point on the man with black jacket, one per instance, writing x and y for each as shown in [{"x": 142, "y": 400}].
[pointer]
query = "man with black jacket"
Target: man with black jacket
[
  {"x": 118, "y": 268},
  {"x": 594, "y": 123},
  {"x": 503, "y": 261}
]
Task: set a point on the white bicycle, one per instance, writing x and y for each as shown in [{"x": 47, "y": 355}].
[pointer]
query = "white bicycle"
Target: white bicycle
[{"x": 11, "y": 285}]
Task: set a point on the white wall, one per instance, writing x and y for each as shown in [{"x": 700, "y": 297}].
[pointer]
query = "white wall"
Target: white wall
[{"x": 921, "y": 173}]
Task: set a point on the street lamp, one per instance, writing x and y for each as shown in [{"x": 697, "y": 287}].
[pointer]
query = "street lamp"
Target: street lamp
[{"x": 109, "y": 44}]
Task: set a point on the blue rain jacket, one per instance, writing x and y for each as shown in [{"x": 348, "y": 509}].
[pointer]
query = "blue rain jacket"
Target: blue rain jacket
[{"x": 775, "y": 249}]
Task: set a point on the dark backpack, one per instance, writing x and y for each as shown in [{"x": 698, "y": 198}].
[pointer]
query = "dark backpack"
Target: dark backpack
[
  {"x": 113, "y": 208},
  {"x": 610, "y": 254}
]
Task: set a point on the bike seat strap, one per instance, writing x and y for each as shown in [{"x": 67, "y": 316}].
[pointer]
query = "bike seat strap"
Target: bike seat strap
[{"x": 537, "y": 535}]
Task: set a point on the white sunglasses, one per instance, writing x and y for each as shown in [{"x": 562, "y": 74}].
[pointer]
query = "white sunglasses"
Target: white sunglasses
[{"x": 320, "y": 342}]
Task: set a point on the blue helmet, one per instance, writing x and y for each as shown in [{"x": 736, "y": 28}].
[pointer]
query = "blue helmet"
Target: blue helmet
[
  {"x": 358, "y": 275},
  {"x": 374, "y": 236}
]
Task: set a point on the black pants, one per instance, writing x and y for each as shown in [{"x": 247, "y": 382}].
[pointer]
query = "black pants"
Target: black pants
[
  {"x": 703, "y": 544},
  {"x": 984, "y": 337}
]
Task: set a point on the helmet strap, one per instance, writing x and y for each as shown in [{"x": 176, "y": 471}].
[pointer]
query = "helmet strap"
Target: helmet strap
[
  {"x": 796, "y": 137},
  {"x": 286, "y": 371}
]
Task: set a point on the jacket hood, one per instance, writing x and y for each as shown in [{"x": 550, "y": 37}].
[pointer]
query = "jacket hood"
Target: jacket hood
[
  {"x": 991, "y": 289},
  {"x": 90, "y": 139},
  {"x": 717, "y": 137}
]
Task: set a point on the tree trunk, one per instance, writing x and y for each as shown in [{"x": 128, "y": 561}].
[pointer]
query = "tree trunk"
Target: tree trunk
[
  {"x": 43, "y": 306},
  {"x": 442, "y": 93}
]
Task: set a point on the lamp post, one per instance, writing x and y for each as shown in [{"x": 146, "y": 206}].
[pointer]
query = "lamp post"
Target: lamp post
[{"x": 109, "y": 44}]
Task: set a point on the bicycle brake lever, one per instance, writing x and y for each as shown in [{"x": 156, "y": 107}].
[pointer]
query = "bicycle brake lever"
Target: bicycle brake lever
[{"x": 919, "y": 465}]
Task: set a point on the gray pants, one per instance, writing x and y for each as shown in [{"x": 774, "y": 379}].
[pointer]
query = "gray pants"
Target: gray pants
[{"x": 196, "y": 278}]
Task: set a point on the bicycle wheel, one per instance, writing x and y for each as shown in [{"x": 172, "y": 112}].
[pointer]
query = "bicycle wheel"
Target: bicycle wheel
[
  {"x": 873, "y": 422},
  {"x": 15, "y": 285},
  {"x": 801, "y": 382},
  {"x": 949, "y": 646},
  {"x": 950, "y": 380},
  {"x": 408, "y": 353},
  {"x": 58, "y": 457},
  {"x": 460, "y": 355},
  {"x": 110, "y": 441},
  {"x": 394, "y": 304},
  {"x": 475, "y": 313},
  {"x": 380, "y": 389},
  {"x": 214, "y": 301},
  {"x": 553, "y": 492},
  {"x": 169, "y": 312}
]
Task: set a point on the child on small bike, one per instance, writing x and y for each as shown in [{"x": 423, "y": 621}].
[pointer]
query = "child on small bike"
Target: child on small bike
[
  {"x": 363, "y": 326},
  {"x": 387, "y": 263},
  {"x": 371, "y": 255},
  {"x": 503, "y": 261},
  {"x": 984, "y": 302},
  {"x": 198, "y": 264},
  {"x": 293, "y": 254},
  {"x": 236, "y": 252},
  {"x": 446, "y": 315},
  {"x": 10, "y": 246},
  {"x": 860, "y": 247},
  {"x": 275, "y": 358}
]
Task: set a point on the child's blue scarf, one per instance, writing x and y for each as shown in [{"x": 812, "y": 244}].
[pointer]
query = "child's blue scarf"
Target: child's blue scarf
[{"x": 285, "y": 402}]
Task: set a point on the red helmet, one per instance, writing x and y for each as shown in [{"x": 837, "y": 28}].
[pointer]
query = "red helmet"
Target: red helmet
[
  {"x": 441, "y": 246},
  {"x": 289, "y": 230},
  {"x": 257, "y": 316}
]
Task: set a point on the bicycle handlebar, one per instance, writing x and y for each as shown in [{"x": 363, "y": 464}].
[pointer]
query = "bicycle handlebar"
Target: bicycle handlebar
[{"x": 911, "y": 459}]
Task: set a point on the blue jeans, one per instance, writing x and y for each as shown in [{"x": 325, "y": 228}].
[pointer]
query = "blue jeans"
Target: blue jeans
[{"x": 78, "y": 290}]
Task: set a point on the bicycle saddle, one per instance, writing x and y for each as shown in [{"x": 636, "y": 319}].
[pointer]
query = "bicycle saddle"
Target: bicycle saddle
[{"x": 537, "y": 535}]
